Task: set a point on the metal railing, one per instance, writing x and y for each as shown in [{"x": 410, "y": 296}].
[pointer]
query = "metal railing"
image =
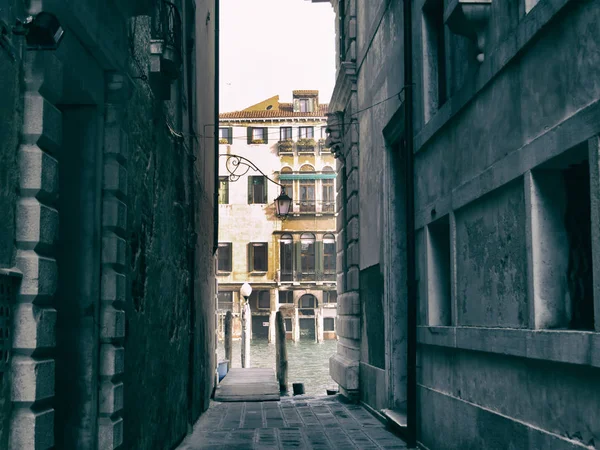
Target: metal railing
[
  {"x": 314, "y": 206},
  {"x": 167, "y": 25},
  {"x": 312, "y": 276}
]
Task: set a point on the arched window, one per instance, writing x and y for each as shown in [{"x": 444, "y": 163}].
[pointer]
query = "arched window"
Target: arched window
[
  {"x": 307, "y": 255},
  {"x": 329, "y": 254},
  {"x": 328, "y": 185},
  {"x": 307, "y": 189},
  {"x": 286, "y": 257},
  {"x": 307, "y": 301}
]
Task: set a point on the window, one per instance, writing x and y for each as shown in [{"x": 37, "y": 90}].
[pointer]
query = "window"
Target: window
[
  {"x": 285, "y": 257},
  {"x": 303, "y": 105},
  {"x": 324, "y": 132},
  {"x": 438, "y": 272},
  {"x": 258, "y": 257},
  {"x": 257, "y": 189},
  {"x": 286, "y": 297},
  {"x": 328, "y": 324},
  {"x": 285, "y": 133},
  {"x": 225, "y": 301},
  {"x": 264, "y": 300},
  {"x": 307, "y": 191},
  {"x": 329, "y": 254},
  {"x": 306, "y": 132},
  {"x": 329, "y": 297},
  {"x": 223, "y": 190},
  {"x": 308, "y": 301},
  {"x": 434, "y": 58},
  {"x": 328, "y": 192},
  {"x": 224, "y": 257},
  {"x": 288, "y": 324},
  {"x": 258, "y": 135},
  {"x": 307, "y": 253},
  {"x": 225, "y": 135}
]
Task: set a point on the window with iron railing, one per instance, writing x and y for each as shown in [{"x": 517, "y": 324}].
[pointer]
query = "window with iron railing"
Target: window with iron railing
[{"x": 167, "y": 27}]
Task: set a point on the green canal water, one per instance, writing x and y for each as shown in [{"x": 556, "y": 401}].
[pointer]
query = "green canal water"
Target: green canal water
[{"x": 308, "y": 361}]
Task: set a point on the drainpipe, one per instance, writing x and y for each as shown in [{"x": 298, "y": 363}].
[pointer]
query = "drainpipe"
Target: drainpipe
[
  {"x": 216, "y": 131},
  {"x": 411, "y": 379}
]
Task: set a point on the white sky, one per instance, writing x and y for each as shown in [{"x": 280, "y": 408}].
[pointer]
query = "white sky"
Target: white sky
[{"x": 271, "y": 47}]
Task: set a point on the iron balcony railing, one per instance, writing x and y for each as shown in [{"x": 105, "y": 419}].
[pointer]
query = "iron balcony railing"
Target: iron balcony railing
[
  {"x": 167, "y": 25},
  {"x": 314, "y": 206},
  {"x": 308, "y": 276}
]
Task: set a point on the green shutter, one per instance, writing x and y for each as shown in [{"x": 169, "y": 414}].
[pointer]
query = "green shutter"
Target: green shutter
[
  {"x": 298, "y": 259},
  {"x": 249, "y": 130},
  {"x": 319, "y": 257},
  {"x": 250, "y": 256},
  {"x": 250, "y": 189},
  {"x": 265, "y": 190},
  {"x": 266, "y": 135},
  {"x": 230, "y": 135}
]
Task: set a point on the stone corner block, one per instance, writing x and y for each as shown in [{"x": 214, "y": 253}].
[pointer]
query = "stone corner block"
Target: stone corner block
[
  {"x": 42, "y": 123},
  {"x": 349, "y": 304},
  {"x": 40, "y": 275},
  {"x": 111, "y": 398},
  {"x": 113, "y": 286},
  {"x": 38, "y": 173},
  {"x": 32, "y": 380},
  {"x": 110, "y": 433},
  {"x": 115, "y": 177},
  {"x": 114, "y": 215},
  {"x": 37, "y": 225},
  {"x": 32, "y": 430},
  {"x": 112, "y": 360},
  {"x": 35, "y": 327},
  {"x": 344, "y": 372},
  {"x": 113, "y": 250},
  {"x": 113, "y": 323},
  {"x": 348, "y": 327}
]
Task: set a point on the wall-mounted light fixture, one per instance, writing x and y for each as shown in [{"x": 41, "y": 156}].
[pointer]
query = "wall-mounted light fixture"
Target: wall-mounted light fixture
[
  {"x": 237, "y": 166},
  {"x": 42, "y": 31}
]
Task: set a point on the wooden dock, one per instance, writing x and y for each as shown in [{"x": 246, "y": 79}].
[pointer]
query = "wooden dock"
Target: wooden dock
[{"x": 248, "y": 385}]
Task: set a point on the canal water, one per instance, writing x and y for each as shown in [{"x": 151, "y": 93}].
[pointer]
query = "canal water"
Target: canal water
[{"x": 308, "y": 362}]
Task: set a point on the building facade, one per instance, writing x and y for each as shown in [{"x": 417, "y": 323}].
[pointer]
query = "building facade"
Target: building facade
[
  {"x": 107, "y": 292},
  {"x": 289, "y": 263},
  {"x": 467, "y": 138}
]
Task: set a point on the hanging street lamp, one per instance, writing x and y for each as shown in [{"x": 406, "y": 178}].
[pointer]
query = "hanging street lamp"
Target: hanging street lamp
[{"x": 238, "y": 166}]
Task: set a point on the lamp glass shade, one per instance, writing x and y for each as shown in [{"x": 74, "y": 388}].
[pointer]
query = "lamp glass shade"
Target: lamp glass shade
[
  {"x": 283, "y": 203},
  {"x": 44, "y": 32},
  {"x": 246, "y": 290}
]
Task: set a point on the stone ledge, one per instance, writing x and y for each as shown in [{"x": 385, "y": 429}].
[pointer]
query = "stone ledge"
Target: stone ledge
[
  {"x": 34, "y": 327},
  {"x": 31, "y": 380},
  {"x": 344, "y": 372},
  {"x": 563, "y": 346},
  {"x": 32, "y": 430}
]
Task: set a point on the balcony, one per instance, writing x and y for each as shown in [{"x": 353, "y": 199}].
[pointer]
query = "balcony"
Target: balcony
[
  {"x": 313, "y": 207},
  {"x": 166, "y": 47},
  {"x": 286, "y": 147},
  {"x": 306, "y": 146},
  {"x": 307, "y": 277}
]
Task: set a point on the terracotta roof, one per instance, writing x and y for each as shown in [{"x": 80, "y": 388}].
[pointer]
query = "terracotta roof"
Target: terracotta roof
[
  {"x": 282, "y": 110},
  {"x": 301, "y": 92}
]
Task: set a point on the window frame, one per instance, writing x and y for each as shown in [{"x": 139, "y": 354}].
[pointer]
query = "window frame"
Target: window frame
[
  {"x": 252, "y": 200},
  {"x": 252, "y": 258},
  {"x": 282, "y": 133},
  {"x": 224, "y": 181},
  {"x": 306, "y": 129},
  {"x": 229, "y": 246}
]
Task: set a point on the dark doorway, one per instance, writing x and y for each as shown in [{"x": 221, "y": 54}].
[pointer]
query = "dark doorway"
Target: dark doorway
[
  {"x": 307, "y": 329},
  {"x": 260, "y": 327}
]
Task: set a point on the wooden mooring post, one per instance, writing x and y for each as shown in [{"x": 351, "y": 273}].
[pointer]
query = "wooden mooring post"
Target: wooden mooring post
[
  {"x": 281, "y": 353},
  {"x": 229, "y": 338}
]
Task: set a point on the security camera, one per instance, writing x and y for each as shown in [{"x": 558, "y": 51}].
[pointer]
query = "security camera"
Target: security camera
[{"x": 42, "y": 31}]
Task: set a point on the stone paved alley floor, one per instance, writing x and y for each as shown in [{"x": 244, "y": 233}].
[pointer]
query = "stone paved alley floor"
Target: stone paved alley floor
[{"x": 294, "y": 422}]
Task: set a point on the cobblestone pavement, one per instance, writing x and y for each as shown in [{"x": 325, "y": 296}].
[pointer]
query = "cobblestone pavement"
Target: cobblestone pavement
[{"x": 294, "y": 422}]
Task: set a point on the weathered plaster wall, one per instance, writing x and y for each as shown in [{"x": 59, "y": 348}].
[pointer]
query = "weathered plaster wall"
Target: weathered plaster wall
[{"x": 470, "y": 161}]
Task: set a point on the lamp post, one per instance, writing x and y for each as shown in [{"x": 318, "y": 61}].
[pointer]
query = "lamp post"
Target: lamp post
[{"x": 245, "y": 292}]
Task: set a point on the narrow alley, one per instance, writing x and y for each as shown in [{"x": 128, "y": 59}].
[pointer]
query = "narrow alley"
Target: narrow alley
[{"x": 302, "y": 423}]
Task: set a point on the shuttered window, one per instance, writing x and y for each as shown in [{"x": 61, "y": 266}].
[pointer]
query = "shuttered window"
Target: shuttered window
[
  {"x": 257, "y": 189},
  {"x": 258, "y": 255}
]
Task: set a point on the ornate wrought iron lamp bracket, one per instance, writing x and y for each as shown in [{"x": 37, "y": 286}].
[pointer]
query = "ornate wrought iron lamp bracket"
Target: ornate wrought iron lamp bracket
[{"x": 238, "y": 166}]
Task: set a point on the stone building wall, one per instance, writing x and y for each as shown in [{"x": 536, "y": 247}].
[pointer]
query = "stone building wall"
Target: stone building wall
[
  {"x": 116, "y": 265},
  {"x": 503, "y": 284}
]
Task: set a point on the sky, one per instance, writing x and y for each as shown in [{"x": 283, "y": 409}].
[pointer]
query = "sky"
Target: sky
[{"x": 272, "y": 47}]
